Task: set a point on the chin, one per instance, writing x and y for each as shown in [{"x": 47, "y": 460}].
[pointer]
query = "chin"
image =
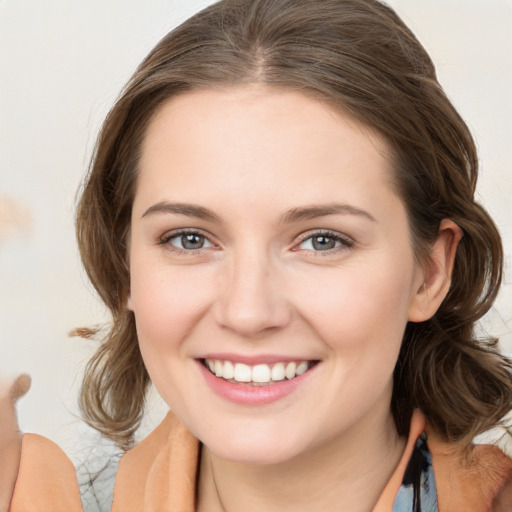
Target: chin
[
  {"x": 258, "y": 446},
  {"x": 254, "y": 453}
]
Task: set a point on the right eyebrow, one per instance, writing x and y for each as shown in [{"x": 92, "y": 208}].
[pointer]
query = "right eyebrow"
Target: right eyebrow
[
  {"x": 323, "y": 210},
  {"x": 189, "y": 210}
]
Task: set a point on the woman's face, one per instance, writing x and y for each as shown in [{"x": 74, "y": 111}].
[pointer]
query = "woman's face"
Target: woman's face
[{"x": 267, "y": 241}]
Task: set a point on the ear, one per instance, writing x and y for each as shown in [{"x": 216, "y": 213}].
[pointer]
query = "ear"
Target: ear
[
  {"x": 129, "y": 306},
  {"x": 434, "y": 279}
]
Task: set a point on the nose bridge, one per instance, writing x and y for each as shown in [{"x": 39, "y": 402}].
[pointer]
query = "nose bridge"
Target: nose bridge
[{"x": 252, "y": 301}]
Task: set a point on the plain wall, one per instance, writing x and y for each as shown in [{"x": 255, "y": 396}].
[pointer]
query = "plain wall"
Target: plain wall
[{"x": 62, "y": 63}]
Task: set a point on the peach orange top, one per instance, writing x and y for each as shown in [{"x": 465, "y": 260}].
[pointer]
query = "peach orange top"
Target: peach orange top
[{"x": 159, "y": 475}]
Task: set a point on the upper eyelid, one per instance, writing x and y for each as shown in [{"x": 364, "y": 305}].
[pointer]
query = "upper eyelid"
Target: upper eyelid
[
  {"x": 326, "y": 232},
  {"x": 184, "y": 231}
]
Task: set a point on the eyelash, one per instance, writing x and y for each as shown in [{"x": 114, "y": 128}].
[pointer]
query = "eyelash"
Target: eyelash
[{"x": 344, "y": 241}]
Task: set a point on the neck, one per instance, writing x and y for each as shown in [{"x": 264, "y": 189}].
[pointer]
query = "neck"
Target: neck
[{"x": 347, "y": 473}]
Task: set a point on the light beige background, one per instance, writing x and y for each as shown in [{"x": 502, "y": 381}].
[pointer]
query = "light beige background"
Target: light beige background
[{"x": 63, "y": 62}]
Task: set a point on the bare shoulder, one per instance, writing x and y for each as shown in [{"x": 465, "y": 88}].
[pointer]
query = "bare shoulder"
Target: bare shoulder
[
  {"x": 11, "y": 389},
  {"x": 503, "y": 500}
]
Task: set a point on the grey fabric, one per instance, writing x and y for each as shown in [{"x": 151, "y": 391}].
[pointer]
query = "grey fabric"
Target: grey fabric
[{"x": 96, "y": 476}]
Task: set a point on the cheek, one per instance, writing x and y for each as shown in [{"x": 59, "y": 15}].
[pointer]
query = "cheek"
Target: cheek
[
  {"x": 359, "y": 310},
  {"x": 168, "y": 302}
]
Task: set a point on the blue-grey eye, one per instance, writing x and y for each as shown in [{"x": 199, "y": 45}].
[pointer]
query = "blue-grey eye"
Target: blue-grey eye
[
  {"x": 321, "y": 243},
  {"x": 190, "y": 241}
]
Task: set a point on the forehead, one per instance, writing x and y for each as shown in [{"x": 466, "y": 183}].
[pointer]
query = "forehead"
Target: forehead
[{"x": 252, "y": 141}]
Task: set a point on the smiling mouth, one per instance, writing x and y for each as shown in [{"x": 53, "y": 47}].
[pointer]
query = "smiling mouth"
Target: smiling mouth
[{"x": 259, "y": 374}]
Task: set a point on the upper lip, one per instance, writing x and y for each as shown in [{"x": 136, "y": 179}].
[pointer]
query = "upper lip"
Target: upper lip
[{"x": 252, "y": 360}]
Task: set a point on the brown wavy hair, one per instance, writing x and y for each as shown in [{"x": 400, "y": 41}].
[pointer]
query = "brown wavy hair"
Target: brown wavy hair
[{"x": 359, "y": 57}]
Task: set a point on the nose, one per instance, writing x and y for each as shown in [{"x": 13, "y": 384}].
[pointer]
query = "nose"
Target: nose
[{"x": 252, "y": 303}]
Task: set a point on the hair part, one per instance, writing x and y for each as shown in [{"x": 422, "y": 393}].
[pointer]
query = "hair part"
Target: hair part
[{"x": 360, "y": 58}]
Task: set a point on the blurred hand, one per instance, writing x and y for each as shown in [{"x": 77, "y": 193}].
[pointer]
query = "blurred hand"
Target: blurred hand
[{"x": 11, "y": 389}]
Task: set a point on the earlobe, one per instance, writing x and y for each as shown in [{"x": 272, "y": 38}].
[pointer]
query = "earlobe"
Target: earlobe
[{"x": 436, "y": 276}]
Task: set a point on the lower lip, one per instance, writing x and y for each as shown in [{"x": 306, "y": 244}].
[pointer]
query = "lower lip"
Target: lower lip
[{"x": 245, "y": 394}]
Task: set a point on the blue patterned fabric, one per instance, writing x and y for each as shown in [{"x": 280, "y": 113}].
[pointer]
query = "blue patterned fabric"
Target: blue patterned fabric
[{"x": 418, "y": 490}]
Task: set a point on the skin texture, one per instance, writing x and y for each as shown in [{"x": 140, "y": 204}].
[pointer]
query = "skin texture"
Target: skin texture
[{"x": 258, "y": 286}]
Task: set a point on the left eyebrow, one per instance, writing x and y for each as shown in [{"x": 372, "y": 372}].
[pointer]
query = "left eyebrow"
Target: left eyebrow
[
  {"x": 313, "y": 211},
  {"x": 189, "y": 210}
]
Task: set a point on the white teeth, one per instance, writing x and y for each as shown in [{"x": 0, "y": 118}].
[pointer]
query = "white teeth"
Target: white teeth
[
  {"x": 229, "y": 370},
  {"x": 242, "y": 373},
  {"x": 301, "y": 368},
  {"x": 259, "y": 373},
  {"x": 278, "y": 372},
  {"x": 290, "y": 370},
  {"x": 219, "y": 368}
]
